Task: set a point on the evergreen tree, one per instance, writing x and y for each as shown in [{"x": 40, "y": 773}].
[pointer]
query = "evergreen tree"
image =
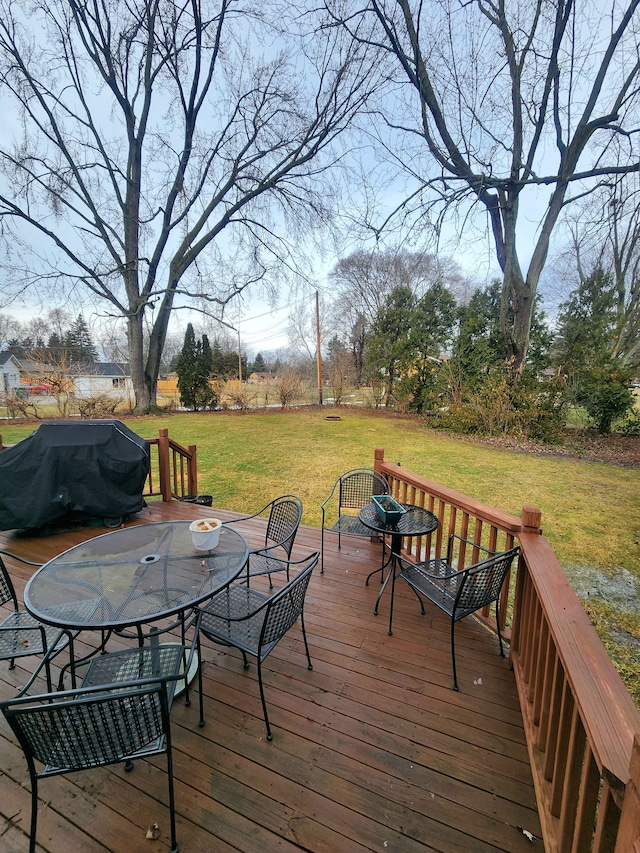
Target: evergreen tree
[
  {"x": 206, "y": 358},
  {"x": 388, "y": 340},
  {"x": 194, "y": 371},
  {"x": 432, "y": 327},
  {"x": 480, "y": 348},
  {"x": 258, "y": 364},
  {"x": 224, "y": 363},
  {"x": 587, "y": 329},
  {"x": 79, "y": 344},
  {"x": 55, "y": 345}
]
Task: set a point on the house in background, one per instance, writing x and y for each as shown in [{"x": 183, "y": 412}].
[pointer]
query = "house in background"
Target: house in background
[
  {"x": 261, "y": 376},
  {"x": 101, "y": 378},
  {"x": 9, "y": 373}
]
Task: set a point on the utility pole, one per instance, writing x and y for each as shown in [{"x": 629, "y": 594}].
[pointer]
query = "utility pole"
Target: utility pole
[
  {"x": 239, "y": 359},
  {"x": 318, "y": 353}
]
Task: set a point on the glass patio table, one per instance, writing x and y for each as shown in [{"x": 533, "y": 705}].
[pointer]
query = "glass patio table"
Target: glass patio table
[
  {"x": 133, "y": 577},
  {"x": 416, "y": 521}
]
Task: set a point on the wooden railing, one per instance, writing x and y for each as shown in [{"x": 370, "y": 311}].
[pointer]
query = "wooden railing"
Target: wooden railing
[
  {"x": 173, "y": 472},
  {"x": 579, "y": 718}
]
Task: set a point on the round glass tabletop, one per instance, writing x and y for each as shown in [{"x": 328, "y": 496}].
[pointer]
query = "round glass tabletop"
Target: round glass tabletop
[{"x": 133, "y": 576}]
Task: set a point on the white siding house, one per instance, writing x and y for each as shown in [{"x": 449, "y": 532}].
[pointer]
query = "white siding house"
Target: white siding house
[
  {"x": 110, "y": 379},
  {"x": 9, "y": 373}
]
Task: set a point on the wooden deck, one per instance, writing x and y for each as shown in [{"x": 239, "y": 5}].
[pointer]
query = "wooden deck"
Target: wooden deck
[{"x": 372, "y": 750}]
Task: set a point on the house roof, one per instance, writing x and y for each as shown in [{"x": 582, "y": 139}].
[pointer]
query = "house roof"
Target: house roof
[
  {"x": 8, "y": 356},
  {"x": 100, "y": 368},
  {"x": 94, "y": 368}
]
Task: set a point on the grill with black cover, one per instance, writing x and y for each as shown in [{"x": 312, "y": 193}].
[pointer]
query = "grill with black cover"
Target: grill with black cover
[{"x": 73, "y": 470}]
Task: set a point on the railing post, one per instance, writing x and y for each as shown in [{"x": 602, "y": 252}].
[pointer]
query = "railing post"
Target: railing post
[
  {"x": 531, "y": 519},
  {"x": 627, "y": 841},
  {"x": 192, "y": 470},
  {"x": 163, "y": 464},
  {"x": 378, "y": 459}
]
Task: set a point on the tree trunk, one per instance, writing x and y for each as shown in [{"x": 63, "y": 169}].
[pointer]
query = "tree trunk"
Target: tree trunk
[{"x": 144, "y": 395}]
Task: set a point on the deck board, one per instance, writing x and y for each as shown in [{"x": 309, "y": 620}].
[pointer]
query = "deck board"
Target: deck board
[{"x": 372, "y": 749}]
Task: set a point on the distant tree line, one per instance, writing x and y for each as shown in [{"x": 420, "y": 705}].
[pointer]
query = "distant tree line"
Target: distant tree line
[
  {"x": 411, "y": 331},
  {"x": 202, "y": 368},
  {"x": 64, "y": 345}
]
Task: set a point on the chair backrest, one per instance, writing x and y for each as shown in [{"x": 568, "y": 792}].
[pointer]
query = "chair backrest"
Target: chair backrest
[
  {"x": 7, "y": 591},
  {"x": 358, "y": 485},
  {"x": 286, "y": 605},
  {"x": 284, "y": 520},
  {"x": 482, "y": 583},
  {"x": 77, "y": 730}
]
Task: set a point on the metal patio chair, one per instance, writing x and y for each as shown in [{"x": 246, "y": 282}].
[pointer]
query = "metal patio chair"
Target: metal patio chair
[
  {"x": 283, "y": 520},
  {"x": 458, "y": 592},
  {"x": 351, "y": 491},
  {"x": 21, "y": 635},
  {"x": 255, "y": 623},
  {"x": 120, "y": 713}
]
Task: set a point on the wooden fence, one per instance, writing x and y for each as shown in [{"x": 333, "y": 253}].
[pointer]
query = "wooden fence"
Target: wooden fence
[{"x": 582, "y": 727}]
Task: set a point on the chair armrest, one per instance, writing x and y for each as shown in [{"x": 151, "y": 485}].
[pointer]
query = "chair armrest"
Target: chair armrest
[
  {"x": 41, "y": 665},
  {"x": 202, "y": 612},
  {"x": 424, "y": 568},
  {"x": 253, "y": 514},
  {"x": 473, "y": 544},
  {"x": 20, "y": 559},
  {"x": 328, "y": 498}
]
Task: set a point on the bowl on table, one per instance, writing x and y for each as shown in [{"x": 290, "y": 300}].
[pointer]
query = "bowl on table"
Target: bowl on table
[{"x": 205, "y": 533}]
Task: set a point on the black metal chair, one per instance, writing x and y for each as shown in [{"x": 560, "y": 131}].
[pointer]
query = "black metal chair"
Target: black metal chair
[
  {"x": 349, "y": 494},
  {"x": 458, "y": 592},
  {"x": 254, "y": 622},
  {"x": 284, "y": 515},
  {"x": 21, "y": 635},
  {"x": 120, "y": 713}
]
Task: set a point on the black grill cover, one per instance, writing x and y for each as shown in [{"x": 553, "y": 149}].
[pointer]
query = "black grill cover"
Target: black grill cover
[{"x": 84, "y": 469}]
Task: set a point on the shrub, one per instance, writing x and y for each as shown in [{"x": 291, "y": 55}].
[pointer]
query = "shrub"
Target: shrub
[
  {"x": 606, "y": 396},
  {"x": 533, "y": 409},
  {"x": 631, "y": 424},
  {"x": 97, "y": 406}
]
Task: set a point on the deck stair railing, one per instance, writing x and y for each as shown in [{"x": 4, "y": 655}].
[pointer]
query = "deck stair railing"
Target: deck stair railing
[
  {"x": 173, "y": 472},
  {"x": 581, "y": 724}
]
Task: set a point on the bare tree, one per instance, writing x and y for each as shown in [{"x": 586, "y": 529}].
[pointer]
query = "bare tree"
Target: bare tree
[
  {"x": 515, "y": 107},
  {"x": 288, "y": 387},
  {"x": 165, "y": 147},
  {"x": 9, "y": 328},
  {"x": 606, "y": 235}
]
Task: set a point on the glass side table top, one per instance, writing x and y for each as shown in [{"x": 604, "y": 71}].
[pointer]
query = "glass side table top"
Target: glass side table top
[
  {"x": 416, "y": 521},
  {"x": 133, "y": 576}
]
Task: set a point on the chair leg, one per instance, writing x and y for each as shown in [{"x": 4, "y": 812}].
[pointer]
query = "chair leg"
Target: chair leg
[
  {"x": 262, "y": 699},
  {"x": 172, "y": 802},
  {"x": 453, "y": 655},
  {"x": 34, "y": 810},
  {"x": 498, "y": 627},
  {"x": 201, "y": 698},
  {"x": 306, "y": 645}
]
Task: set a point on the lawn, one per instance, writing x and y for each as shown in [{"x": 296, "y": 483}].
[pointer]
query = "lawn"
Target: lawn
[{"x": 590, "y": 511}]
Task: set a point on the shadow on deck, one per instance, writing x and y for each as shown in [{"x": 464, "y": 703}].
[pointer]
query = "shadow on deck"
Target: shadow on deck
[{"x": 372, "y": 750}]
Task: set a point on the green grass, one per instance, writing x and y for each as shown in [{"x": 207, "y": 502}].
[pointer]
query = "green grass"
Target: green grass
[{"x": 590, "y": 511}]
